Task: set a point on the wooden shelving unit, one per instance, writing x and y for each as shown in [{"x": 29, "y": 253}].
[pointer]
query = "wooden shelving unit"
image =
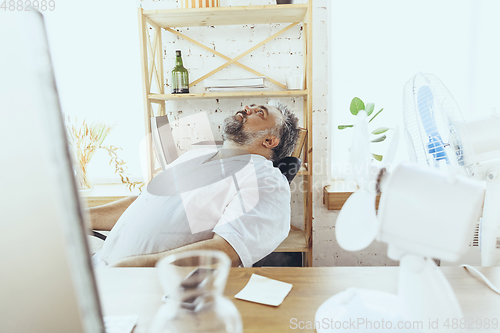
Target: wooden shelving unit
[{"x": 151, "y": 25}]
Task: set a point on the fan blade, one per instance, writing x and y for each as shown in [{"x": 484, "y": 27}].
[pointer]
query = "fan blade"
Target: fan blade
[
  {"x": 425, "y": 105},
  {"x": 393, "y": 148},
  {"x": 360, "y": 151},
  {"x": 357, "y": 224}
]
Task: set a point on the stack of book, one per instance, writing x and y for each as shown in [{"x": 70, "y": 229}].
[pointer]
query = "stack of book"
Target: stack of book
[{"x": 243, "y": 84}]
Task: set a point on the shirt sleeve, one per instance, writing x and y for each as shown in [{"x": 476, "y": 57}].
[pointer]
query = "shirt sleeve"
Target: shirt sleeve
[{"x": 257, "y": 219}]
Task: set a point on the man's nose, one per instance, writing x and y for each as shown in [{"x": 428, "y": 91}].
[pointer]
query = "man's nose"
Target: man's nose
[{"x": 247, "y": 110}]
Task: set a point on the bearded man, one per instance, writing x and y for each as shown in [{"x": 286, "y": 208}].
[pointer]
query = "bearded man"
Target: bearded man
[{"x": 233, "y": 200}]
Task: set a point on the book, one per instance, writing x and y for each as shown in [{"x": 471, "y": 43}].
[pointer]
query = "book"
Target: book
[
  {"x": 229, "y": 89},
  {"x": 242, "y": 82}
]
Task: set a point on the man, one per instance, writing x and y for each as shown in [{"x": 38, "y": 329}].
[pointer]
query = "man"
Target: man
[{"x": 232, "y": 200}]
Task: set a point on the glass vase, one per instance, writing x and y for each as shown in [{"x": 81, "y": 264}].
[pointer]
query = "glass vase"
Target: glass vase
[
  {"x": 194, "y": 282},
  {"x": 83, "y": 179}
]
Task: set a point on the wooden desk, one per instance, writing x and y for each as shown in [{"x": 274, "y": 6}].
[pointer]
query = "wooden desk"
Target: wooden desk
[{"x": 137, "y": 291}]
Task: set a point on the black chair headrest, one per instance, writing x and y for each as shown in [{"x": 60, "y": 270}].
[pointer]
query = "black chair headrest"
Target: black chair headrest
[{"x": 289, "y": 167}]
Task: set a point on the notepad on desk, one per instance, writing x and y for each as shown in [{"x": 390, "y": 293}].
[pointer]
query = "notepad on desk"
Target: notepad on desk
[{"x": 260, "y": 289}]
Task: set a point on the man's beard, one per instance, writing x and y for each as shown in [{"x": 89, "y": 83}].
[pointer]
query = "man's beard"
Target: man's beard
[{"x": 233, "y": 131}]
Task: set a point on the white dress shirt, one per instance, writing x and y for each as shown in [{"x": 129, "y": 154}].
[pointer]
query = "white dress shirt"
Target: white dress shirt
[{"x": 244, "y": 199}]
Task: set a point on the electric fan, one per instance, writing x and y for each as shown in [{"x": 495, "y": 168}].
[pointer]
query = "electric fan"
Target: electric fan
[
  {"x": 438, "y": 136},
  {"x": 414, "y": 199}
]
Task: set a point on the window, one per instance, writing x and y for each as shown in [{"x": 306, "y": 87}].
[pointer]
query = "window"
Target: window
[
  {"x": 377, "y": 46},
  {"x": 95, "y": 52}
]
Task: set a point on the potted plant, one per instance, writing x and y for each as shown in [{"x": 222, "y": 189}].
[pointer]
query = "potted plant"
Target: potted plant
[{"x": 377, "y": 135}]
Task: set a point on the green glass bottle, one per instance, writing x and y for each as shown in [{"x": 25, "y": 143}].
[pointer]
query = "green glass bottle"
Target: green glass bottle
[{"x": 180, "y": 78}]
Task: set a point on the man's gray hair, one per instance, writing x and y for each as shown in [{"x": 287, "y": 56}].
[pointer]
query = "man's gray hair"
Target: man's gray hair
[{"x": 287, "y": 131}]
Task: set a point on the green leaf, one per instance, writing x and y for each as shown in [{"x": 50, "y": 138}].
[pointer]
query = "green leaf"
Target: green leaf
[
  {"x": 370, "y": 107},
  {"x": 356, "y": 105},
  {"x": 380, "y": 130},
  {"x": 376, "y": 115},
  {"x": 380, "y": 138},
  {"x": 377, "y": 157},
  {"x": 341, "y": 127}
]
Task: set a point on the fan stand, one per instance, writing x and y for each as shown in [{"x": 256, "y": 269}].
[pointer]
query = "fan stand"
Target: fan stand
[
  {"x": 425, "y": 293},
  {"x": 424, "y": 296}
]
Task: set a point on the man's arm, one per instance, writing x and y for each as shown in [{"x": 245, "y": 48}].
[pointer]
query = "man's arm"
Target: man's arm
[
  {"x": 150, "y": 260},
  {"x": 105, "y": 217}
]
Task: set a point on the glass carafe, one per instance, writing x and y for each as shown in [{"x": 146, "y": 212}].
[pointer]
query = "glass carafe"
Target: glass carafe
[{"x": 194, "y": 282}]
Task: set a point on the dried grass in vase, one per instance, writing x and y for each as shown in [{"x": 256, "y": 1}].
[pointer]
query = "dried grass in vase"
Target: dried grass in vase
[{"x": 85, "y": 140}]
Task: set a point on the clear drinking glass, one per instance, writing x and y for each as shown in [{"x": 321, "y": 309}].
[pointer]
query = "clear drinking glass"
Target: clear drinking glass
[{"x": 194, "y": 283}]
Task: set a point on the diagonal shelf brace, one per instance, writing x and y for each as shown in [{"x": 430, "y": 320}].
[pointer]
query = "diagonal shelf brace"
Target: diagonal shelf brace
[
  {"x": 251, "y": 70},
  {"x": 151, "y": 23},
  {"x": 232, "y": 61},
  {"x": 152, "y": 65},
  {"x": 152, "y": 54}
]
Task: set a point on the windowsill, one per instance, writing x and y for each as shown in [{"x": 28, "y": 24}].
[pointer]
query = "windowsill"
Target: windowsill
[
  {"x": 101, "y": 194},
  {"x": 336, "y": 194}
]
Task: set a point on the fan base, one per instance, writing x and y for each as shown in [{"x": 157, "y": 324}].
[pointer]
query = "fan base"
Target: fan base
[{"x": 362, "y": 310}]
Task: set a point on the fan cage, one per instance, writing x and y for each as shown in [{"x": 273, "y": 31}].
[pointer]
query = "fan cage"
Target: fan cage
[{"x": 438, "y": 138}]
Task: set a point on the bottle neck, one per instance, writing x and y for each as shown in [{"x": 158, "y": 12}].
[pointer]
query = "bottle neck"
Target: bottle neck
[{"x": 178, "y": 61}]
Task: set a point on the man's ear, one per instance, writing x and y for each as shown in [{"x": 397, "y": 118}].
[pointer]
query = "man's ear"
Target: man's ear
[{"x": 271, "y": 141}]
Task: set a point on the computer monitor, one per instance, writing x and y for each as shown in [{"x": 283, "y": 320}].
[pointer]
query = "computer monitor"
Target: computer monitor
[{"x": 47, "y": 282}]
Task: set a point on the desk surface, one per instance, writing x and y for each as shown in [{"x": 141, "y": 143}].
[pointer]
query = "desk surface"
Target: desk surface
[{"x": 137, "y": 291}]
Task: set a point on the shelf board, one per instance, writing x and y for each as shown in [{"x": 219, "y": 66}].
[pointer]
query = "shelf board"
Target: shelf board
[
  {"x": 295, "y": 242},
  {"x": 249, "y": 94},
  {"x": 240, "y": 15}
]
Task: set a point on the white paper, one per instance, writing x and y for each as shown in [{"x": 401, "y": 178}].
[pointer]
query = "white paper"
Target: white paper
[
  {"x": 120, "y": 324},
  {"x": 260, "y": 289}
]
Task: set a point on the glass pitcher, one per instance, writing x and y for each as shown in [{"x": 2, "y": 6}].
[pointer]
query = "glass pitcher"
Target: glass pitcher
[{"x": 194, "y": 282}]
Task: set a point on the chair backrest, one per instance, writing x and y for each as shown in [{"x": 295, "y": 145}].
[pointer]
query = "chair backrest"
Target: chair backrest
[
  {"x": 300, "y": 142},
  {"x": 163, "y": 141},
  {"x": 289, "y": 167}
]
